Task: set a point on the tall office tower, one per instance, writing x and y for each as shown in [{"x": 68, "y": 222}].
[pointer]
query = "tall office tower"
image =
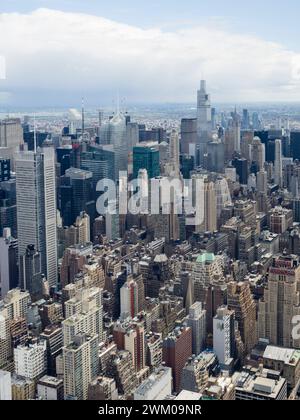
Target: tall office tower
[
  {"x": 129, "y": 295},
  {"x": 130, "y": 336},
  {"x": 189, "y": 136},
  {"x": 281, "y": 302},
  {"x": 204, "y": 125},
  {"x": 224, "y": 336},
  {"x": 242, "y": 170},
  {"x": 76, "y": 195},
  {"x": 256, "y": 122},
  {"x": 112, "y": 221},
  {"x": 8, "y": 206},
  {"x": 174, "y": 152},
  {"x": 30, "y": 360},
  {"x": 295, "y": 144},
  {"x": 236, "y": 131},
  {"x": 215, "y": 156},
  {"x": 208, "y": 209},
  {"x": 11, "y": 138},
  {"x": 132, "y": 134},
  {"x": 81, "y": 365},
  {"x": 114, "y": 132},
  {"x": 177, "y": 348},
  {"x": 223, "y": 195},
  {"x": 262, "y": 182},
  {"x": 9, "y": 273},
  {"x": 157, "y": 387},
  {"x": 278, "y": 163},
  {"x": 246, "y": 120},
  {"x": 36, "y": 210},
  {"x": 119, "y": 368},
  {"x": 240, "y": 300},
  {"x": 258, "y": 153},
  {"x": 5, "y": 386},
  {"x": 197, "y": 322},
  {"x": 146, "y": 157},
  {"x": 31, "y": 277},
  {"x": 247, "y": 138},
  {"x": 100, "y": 160},
  {"x": 84, "y": 314},
  {"x": 103, "y": 389}
]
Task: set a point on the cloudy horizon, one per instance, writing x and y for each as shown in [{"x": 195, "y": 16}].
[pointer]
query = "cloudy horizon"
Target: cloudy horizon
[{"x": 65, "y": 55}]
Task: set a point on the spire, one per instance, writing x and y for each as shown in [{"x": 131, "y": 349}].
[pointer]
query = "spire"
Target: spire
[
  {"x": 34, "y": 133},
  {"x": 203, "y": 85},
  {"x": 82, "y": 116}
]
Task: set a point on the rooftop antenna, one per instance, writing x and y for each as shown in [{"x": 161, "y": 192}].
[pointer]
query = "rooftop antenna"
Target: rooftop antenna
[
  {"x": 82, "y": 116},
  {"x": 34, "y": 133}
]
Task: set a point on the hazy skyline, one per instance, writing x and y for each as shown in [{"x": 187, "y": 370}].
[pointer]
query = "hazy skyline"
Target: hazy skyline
[{"x": 148, "y": 54}]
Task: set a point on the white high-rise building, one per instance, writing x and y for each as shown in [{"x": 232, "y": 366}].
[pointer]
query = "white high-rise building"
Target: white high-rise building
[
  {"x": 223, "y": 333},
  {"x": 278, "y": 163},
  {"x": 114, "y": 132},
  {"x": 157, "y": 387},
  {"x": 30, "y": 360},
  {"x": 262, "y": 182},
  {"x": 204, "y": 123},
  {"x": 5, "y": 386},
  {"x": 11, "y": 138},
  {"x": 197, "y": 322},
  {"x": 36, "y": 212}
]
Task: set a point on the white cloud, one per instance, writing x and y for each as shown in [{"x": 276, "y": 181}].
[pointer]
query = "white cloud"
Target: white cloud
[{"x": 72, "y": 52}]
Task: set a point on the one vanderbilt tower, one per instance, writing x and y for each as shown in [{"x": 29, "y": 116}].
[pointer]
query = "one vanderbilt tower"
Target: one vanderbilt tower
[{"x": 204, "y": 122}]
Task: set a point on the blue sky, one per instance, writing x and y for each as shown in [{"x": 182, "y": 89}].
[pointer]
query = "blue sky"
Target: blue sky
[
  {"x": 271, "y": 19},
  {"x": 59, "y": 50}
]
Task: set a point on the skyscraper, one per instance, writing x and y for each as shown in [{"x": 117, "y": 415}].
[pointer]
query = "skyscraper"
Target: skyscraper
[
  {"x": 9, "y": 274},
  {"x": 240, "y": 300},
  {"x": 177, "y": 348},
  {"x": 174, "y": 152},
  {"x": 36, "y": 210},
  {"x": 145, "y": 157},
  {"x": 114, "y": 132},
  {"x": 189, "y": 136},
  {"x": 31, "y": 278},
  {"x": 278, "y": 163},
  {"x": 197, "y": 322},
  {"x": 281, "y": 302},
  {"x": 224, "y": 335},
  {"x": 81, "y": 365},
  {"x": 204, "y": 124}
]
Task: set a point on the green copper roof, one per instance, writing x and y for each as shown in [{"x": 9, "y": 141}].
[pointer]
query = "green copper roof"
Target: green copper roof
[{"x": 206, "y": 257}]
